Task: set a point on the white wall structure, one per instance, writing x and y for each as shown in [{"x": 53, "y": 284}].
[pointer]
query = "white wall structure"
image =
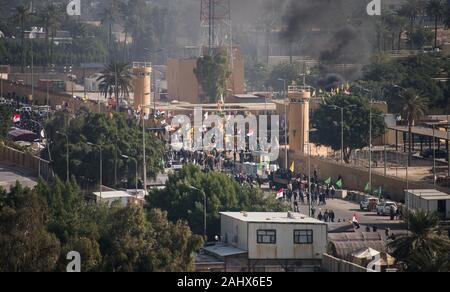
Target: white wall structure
[
  {"x": 429, "y": 200},
  {"x": 275, "y": 236}
]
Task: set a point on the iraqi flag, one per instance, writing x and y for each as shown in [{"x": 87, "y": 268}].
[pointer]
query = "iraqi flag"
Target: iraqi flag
[
  {"x": 16, "y": 118},
  {"x": 280, "y": 194}
]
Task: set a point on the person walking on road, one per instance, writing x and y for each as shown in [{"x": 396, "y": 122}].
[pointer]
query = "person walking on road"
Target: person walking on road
[
  {"x": 355, "y": 222},
  {"x": 333, "y": 192},
  {"x": 331, "y": 214}
]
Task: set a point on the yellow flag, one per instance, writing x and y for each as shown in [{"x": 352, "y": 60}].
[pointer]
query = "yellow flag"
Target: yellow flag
[{"x": 292, "y": 166}]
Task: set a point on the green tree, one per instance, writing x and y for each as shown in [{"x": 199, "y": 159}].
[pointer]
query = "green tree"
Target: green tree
[
  {"x": 22, "y": 13},
  {"x": 25, "y": 243},
  {"x": 182, "y": 201},
  {"x": 109, "y": 14},
  {"x": 423, "y": 241},
  {"x": 412, "y": 9},
  {"x": 212, "y": 73},
  {"x": 118, "y": 136},
  {"x": 5, "y": 121},
  {"x": 174, "y": 245},
  {"x": 127, "y": 243},
  {"x": 51, "y": 18},
  {"x": 414, "y": 108},
  {"x": 435, "y": 9},
  {"x": 327, "y": 122}
]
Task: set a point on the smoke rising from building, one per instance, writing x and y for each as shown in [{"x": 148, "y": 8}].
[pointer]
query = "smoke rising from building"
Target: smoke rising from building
[{"x": 333, "y": 31}]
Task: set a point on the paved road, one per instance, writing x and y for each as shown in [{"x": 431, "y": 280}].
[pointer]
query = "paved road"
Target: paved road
[
  {"x": 344, "y": 210},
  {"x": 9, "y": 175}
]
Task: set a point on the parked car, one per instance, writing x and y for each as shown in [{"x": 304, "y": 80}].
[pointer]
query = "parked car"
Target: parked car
[
  {"x": 369, "y": 203},
  {"x": 429, "y": 153},
  {"x": 384, "y": 208}
]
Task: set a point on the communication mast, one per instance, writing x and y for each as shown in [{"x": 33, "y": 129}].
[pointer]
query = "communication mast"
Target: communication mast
[{"x": 215, "y": 16}]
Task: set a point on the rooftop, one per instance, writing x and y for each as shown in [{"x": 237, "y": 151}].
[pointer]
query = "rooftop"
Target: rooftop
[
  {"x": 223, "y": 250},
  {"x": 113, "y": 195},
  {"x": 430, "y": 194},
  {"x": 272, "y": 217}
]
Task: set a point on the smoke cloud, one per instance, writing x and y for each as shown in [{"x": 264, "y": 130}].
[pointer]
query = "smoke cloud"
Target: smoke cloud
[{"x": 332, "y": 31}]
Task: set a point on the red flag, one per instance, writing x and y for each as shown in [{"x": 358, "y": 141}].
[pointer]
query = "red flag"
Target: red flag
[{"x": 16, "y": 118}]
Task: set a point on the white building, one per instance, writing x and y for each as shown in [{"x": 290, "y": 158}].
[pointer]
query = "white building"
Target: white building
[
  {"x": 110, "y": 197},
  {"x": 429, "y": 200},
  {"x": 270, "y": 242}
]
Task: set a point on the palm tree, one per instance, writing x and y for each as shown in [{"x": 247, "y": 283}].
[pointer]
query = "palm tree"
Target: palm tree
[
  {"x": 435, "y": 9},
  {"x": 109, "y": 14},
  {"x": 21, "y": 14},
  {"x": 429, "y": 262},
  {"x": 411, "y": 10},
  {"x": 414, "y": 108},
  {"x": 116, "y": 78},
  {"x": 423, "y": 240},
  {"x": 51, "y": 18}
]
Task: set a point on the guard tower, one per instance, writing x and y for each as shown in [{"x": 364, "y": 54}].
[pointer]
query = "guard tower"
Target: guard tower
[
  {"x": 142, "y": 72},
  {"x": 299, "y": 97}
]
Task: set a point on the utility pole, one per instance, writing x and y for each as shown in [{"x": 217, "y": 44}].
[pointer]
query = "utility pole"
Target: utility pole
[
  {"x": 285, "y": 122},
  {"x": 370, "y": 148},
  {"x": 448, "y": 150}
]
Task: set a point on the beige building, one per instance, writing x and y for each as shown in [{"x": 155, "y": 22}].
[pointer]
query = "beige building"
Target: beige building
[{"x": 182, "y": 84}]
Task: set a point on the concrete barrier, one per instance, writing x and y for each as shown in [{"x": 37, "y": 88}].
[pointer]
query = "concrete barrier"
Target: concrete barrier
[
  {"x": 356, "y": 178},
  {"x": 35, "y": 165}
]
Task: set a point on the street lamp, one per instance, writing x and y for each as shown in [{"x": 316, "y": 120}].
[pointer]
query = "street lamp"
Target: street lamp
[
  {"x": 67, "y": 153},
  {"x": 285, "y": 122},
  {"x": 385, "y": 146},
  {"x": 370, "y": 133},
  {"x": 434, "y": 156},
  {"x": 143, "y": 144},
  {"x": 136, "y": 165},
  {"x": 204, "y": 207},
  {"x": 101, "y": 165},
  {"x": 152, "y": 55},
  {"x": 342, "y": 126},
  {"x": 309, "y": 176}
]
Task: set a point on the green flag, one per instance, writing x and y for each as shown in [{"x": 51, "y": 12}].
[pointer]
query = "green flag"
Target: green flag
[
  {"x": 379, "y": 192},
  {"x": 328, "y": 181},
  {"x": 339, "y": 184},
  {"x": 367, "y": 188}
]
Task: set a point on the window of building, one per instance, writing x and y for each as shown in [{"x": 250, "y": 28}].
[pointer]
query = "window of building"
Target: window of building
[
  {"x": 303, "y": 236},
  {"x": 266, "y": 236}
]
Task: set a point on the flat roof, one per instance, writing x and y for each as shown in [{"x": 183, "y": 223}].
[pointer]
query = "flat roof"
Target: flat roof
[
  {"x": 429, "y": 194},
  {"x": 113, "y": 195},
  {"x": 224, "y": 250},
  {"x": 272, "y": 217}
]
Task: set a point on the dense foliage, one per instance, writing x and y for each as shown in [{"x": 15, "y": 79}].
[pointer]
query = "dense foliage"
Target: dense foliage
[
  {"x": 39, "y": 227},
  {"x": 327, "y": 122},
  {"x": 181, "y": 201},
  {"x": 419, "y": 72},
  {"x": 424, "y": 248},
  {"x": 213, "y": 72},
  {"x": 118, "y": 135}
]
